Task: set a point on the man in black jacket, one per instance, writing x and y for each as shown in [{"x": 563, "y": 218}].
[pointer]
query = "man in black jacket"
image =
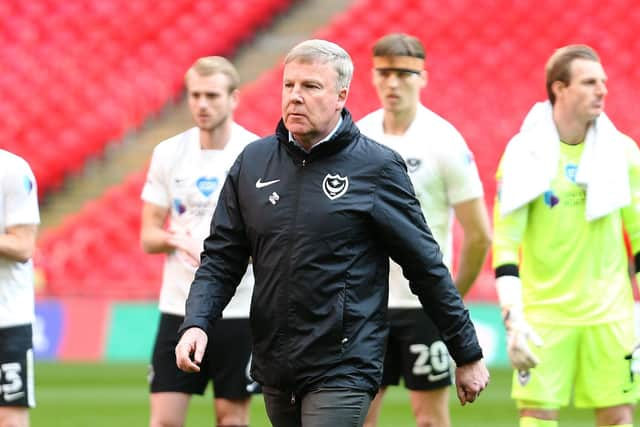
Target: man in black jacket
[{"x": 319, "y": 208}]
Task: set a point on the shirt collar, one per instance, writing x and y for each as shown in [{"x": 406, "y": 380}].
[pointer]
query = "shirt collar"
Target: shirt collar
[{"x": 325, "y": 139}]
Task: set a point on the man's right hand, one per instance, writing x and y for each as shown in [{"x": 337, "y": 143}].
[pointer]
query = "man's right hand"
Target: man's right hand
[
  {"x": 519, "y": 334},
  {"x": 190, "y": 349}
]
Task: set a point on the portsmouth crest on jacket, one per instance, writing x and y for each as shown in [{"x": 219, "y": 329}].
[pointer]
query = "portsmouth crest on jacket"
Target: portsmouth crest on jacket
[{"x": 335, "y": 186}]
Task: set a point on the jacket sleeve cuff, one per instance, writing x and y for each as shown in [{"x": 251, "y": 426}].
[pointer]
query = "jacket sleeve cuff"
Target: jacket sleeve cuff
[
  {"x": 193, "y": 323},
  {"x": 468, "y": 355}
]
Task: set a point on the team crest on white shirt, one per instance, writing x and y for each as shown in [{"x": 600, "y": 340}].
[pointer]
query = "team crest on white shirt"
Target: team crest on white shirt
[
  {"x": 413, "y": 164},
  {"x": 335, "y": 186}
]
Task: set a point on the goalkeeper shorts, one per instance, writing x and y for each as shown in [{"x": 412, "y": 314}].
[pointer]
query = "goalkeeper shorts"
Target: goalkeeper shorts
[{"x": 590, "y": 361}]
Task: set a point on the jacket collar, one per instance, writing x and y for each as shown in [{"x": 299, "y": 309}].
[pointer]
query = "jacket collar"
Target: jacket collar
[{"x": 346, "y": 134}]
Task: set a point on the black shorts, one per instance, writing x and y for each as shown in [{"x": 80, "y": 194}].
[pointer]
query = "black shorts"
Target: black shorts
[
  {"x": 226, "y": 361},
  {"x": 16, "y": 367},
  {"x": 415, "y": 352}
]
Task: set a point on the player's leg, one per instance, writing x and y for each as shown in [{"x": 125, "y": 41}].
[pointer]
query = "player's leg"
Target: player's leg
[
  {"x": 14, "y": 416},
  {"x": 534, "y": 418},
  {"x": 604, "y": 380},
  {"x": 16, "y": 375},
  {"x": 171, "y": 389},
  {"x": 391, "y": 371},
  {"x": 374, "y": 409},
  {"x": 618, "y": 416},
  {"x": 168, "y": 409},
  {"x": 430, "y": 407},
  {"x": 230, "y": 360},
  {"x": 426, "y": 367},
  {"x": 541, "y": 391}
]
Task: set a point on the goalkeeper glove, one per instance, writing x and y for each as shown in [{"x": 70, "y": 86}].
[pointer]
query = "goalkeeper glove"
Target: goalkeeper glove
[{"x": 519, "y": 333}]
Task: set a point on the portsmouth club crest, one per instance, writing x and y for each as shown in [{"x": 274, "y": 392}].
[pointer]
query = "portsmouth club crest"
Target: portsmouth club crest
[
  {"x": 335, "y": 186},
  {"x": 413, "y": 164}
]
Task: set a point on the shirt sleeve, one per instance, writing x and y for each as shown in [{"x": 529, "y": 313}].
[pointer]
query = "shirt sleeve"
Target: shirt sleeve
[
  {"x": 401, "y": 225},
  {"x": 508, "y": 230},
  {"x": 223, "y": 261},
  {"x": 20, "y": 194},
  {"x": 460, "y": 172},
  {"x": 156, "y": 188},
  {"x": 631, "y": 213}
]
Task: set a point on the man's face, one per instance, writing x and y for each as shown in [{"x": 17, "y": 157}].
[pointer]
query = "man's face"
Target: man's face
[
  {"x": 210, "y": 102},
  {"x": 398, "y": 82},
  {"x": 583, "y": 97},
  {"x": 311, "y": 102}
]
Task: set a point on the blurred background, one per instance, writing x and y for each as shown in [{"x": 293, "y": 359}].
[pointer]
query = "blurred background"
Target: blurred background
[{"x": 89, "y": 87}]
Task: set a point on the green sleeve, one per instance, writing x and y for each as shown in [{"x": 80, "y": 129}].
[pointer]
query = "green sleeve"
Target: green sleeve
[
  {"x": 631, "y": 213},
  {"x": 508, "y": 230}
]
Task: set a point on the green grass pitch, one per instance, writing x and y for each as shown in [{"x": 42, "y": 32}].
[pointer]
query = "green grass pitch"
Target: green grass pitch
[{"x": 115, "y": 394}]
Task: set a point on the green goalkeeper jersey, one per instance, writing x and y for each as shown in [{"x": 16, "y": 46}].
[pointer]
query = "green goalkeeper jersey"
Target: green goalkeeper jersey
[{"x": 573, "y": 272}]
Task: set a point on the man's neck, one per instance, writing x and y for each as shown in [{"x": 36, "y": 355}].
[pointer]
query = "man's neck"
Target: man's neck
[
  {"x": 397, "y": 123},
  {"x": 217, "y": 138},
  {"x": 310, "y": 140},
  {"x": 571, "y": 130}
]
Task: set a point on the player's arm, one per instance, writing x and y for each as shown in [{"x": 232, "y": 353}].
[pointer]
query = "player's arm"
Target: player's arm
[
  {"x": 153, "y": 236},
  {"x": 631, "y": 222},
  {"x": 20, "y": 202},
  {"x": 631, "y": 213},
  {"x": 508, "y": 233},
  {"x": 18, "y": 242},
  {"x": 474, "y": 220},
  {"x": 465, "y": 194}
]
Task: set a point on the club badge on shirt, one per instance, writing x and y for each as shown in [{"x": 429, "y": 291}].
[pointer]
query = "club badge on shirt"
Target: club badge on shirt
[{"x": 335, "y": 186}]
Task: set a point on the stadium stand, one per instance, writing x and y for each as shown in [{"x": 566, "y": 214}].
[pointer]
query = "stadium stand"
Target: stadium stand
[
  {"x": 486, "y": 62},
  {"x": 80, "y": 74}
]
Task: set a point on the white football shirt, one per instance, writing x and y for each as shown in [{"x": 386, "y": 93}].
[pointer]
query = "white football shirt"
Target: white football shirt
[
  {"x": 18, "y": 206},
  {"x": 187, "y": 179},
  {"x": 443, "y": 173}
]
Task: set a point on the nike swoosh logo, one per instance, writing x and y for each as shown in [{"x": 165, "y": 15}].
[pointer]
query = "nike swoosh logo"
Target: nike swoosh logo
[
  {"x": 260, "y": 184},
  {"x": 438, "y": 377},
  {"x": 10, "y": 397}
]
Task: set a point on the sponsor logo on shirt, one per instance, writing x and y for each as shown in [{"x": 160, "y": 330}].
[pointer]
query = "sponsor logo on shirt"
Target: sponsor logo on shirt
[
  {"x": 261, "y": 184},
  {"x": 179, "y": 207},
  {"x": 207, "y": 186},
  {"x": 550, "y": 199}
]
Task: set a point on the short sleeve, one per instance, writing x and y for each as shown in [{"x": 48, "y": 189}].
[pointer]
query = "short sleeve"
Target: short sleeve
[
  {"x": 155, "y": 189},
  {"x": 20, "y": 194},
  {"x": 460, "y": 172}
]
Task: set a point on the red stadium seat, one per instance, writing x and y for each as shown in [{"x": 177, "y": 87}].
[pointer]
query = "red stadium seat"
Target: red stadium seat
[{"x": 81, "y": 47}]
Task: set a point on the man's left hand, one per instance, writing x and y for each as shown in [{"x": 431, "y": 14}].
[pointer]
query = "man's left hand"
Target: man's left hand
[{"x": 471, "y": 379}]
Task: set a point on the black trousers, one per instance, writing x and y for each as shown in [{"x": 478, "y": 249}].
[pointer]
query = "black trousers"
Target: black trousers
[{"x": 327, "y": 407}]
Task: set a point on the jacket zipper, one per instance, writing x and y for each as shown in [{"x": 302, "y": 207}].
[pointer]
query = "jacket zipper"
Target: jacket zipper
[{"x": 289, "y": 268}]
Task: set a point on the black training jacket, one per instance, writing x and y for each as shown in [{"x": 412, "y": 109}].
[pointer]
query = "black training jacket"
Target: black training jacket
[{"x": 320, "y": 228}]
